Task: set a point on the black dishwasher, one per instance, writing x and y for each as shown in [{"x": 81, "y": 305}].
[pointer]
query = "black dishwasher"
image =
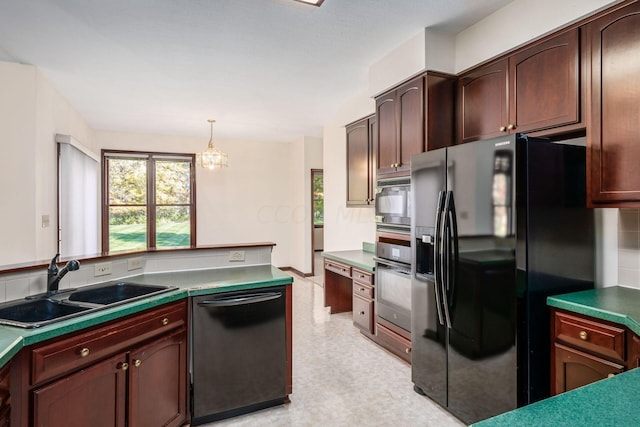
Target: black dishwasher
[{"x": 238, "y": 353}]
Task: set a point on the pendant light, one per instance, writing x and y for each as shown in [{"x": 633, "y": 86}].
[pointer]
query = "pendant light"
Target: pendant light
[{"x": 211, "y": 157}]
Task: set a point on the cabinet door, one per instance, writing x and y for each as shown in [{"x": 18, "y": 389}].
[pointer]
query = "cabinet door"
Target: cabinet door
[
  {"x": 386, "y": 152},
  {"x": 545, "y": 84},
  {"x": 358, "y": 172},
  {"x": 482, "y": 102},
  {"x": 94, "y": 396},
  {"x": 158, "y": 382},
  {"x": 409, "y": 98},
  {"x": 613, "y": 143},
  {"x": 574, "y": 369}
]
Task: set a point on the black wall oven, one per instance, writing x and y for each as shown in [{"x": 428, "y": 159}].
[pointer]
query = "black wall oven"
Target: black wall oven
[{"x": 393, "y": 280}]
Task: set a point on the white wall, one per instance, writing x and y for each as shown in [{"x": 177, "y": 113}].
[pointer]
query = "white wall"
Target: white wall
[
  {"x": 31, "y": 113},
  {"x": 516, "y": 24},
  {"x": 307, "y": 155},
  {"x": 345, "y": 228},
  {"x": 250, "y": 201}
]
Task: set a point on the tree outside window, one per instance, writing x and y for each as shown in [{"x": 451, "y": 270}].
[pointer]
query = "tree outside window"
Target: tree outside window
[
  {"x": 318, "y": 199},
  {"x": 148, "y": 201}
]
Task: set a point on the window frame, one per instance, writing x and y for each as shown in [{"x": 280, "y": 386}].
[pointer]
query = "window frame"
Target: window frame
[{"x": 151, "y": 157}]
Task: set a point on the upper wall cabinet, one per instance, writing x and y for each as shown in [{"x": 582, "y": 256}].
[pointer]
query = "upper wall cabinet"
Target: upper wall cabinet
[
  {"x": 361, "y": 144},
  {"x": 614, "y": 108},
  {"x": 400, "y": 127},
  {"x": 422, "y": 106},
  {"x": 534, "y": 89}
]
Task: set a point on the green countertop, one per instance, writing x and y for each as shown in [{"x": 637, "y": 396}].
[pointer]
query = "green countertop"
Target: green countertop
[
  {"x": 609, "y": 402},
  {"x": 356, "y": 258},
  {"x": 188, "y": 283},
  {"x": 616, "y": 304}
]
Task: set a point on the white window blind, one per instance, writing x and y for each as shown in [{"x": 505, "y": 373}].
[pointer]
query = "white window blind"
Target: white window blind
[{"x": 78, "y": 178}]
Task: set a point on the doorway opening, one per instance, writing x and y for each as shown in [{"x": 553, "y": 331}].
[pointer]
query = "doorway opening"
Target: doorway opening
[{"x": 317, "y": 220}]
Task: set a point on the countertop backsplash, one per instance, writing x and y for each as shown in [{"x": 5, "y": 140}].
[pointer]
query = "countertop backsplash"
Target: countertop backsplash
[{"x": 629, "y": 247}]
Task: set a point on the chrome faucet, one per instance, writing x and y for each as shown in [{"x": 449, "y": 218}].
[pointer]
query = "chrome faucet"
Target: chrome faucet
[{"x": 54, "y": 275}]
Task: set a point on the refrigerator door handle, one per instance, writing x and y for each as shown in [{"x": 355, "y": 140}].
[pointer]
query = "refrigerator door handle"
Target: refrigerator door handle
[
  {"x": 445, "y": 246},
  {"x": 452, "y": 256},
  {"x": 437, "y": 256}
]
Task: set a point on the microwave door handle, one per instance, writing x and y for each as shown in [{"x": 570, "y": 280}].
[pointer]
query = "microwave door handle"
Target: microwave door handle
[
  {"x": 437, "y": 258},
  {"x": 446, "y": 247}
]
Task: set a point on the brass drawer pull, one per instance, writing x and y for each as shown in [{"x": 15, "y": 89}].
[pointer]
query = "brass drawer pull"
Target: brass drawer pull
[
  {"x": 362, "y": 289},
  {"x": 123, "y": 366},
  {"x": 137, "y": 362},
  {"x": 362, "y": 313},
  {"x": 165, "y": 321},
  {"x": 583, "y": 335},
  {"x": 611, "y": 375},
  {"x": 407, "y": 350},
  {"x": 84, "y": 352}
]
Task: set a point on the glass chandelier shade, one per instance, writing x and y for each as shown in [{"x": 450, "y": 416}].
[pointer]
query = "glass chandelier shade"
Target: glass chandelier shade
[{"x": 211, "y": 157}]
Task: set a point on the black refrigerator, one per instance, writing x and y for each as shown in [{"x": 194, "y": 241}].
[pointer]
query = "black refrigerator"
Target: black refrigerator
[{"x": 497, "y": 226}]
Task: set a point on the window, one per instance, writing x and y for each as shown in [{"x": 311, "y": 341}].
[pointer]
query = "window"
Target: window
[
  {"x": 148, "y": 201},
  {"x": 318, "y": 198}
]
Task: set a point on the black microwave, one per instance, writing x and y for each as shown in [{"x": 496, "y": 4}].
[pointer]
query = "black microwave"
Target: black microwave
[{"x": 393, "y": 201}]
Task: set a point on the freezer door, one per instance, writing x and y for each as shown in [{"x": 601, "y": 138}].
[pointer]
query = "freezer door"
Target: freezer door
[{"x": 481, "y": 286}]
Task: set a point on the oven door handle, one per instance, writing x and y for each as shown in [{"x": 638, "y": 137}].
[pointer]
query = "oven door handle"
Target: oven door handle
[{"x": 391, "y": 263}]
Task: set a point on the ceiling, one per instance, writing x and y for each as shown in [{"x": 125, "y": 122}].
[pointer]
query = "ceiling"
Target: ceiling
[{"x": 264, "y": 69}]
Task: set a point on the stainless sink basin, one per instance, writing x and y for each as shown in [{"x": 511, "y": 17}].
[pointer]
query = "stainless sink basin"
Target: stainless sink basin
[
  {"x": 44, "y": 309},
  {"x": 37, "y": 312},
  {"x": 113, "y": 293}
]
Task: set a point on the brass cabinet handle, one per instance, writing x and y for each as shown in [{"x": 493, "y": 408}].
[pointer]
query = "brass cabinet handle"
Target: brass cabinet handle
[
  {"x": 137, "y": 362},
  {"x": 407, "y": 350},
  {"x": 362, "y": 313},
  {"x": 583, "y": 335},
  {"x": 84, "y": 352},
  {"x": 511, "y": 126},
  {"x": 502, "y": 128},
  {"x": 611, "y": 375},
  {"x": 123, "y": 366},
  {"x": 165, "y": 321},
  {"x": 361, "y": 289}
]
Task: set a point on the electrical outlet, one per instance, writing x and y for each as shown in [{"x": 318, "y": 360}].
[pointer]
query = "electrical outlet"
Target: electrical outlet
[
  {"x": 236, "y": 256},
  {"x": 134, "y": 263},
  {"x": 102, "y": 269}
]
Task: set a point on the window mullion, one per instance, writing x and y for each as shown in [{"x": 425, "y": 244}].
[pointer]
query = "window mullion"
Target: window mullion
[{"x": 151, "y": 203}]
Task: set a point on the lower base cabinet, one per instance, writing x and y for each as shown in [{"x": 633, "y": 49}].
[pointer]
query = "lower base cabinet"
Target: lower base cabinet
[
  {"x": 585, "y": 350},
  {"x": 129, "y": 372},
  {"x": 394, "y": 339},
  {"x": 575, "y": 369}
]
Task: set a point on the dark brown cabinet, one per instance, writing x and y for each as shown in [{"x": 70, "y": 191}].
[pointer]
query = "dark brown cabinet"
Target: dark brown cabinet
[
  {"x": 422, "y": 106},
  {"x": 131, "y": 371},
  {"x": 400, "y": 127},
  {"x": 613, "y": 109},
  {"x": 532, "y": 90},
  {"x": 482, "y": 102},
  {"x": 361, "y": 144},
  {"x": 337, "y": 286},
  {"x": 584, "y": 350},
  {"x": 94, "y": 396}
]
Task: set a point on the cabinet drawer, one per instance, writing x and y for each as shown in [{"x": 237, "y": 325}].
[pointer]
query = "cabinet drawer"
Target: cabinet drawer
[
  {"x": 363, "y": 313},
  {"x": 394, "y": 342},
  {"x": 362, "y": 277},
  {"x": 337, "y": 267},
  {"x": 362, "y": 290},
  {"x": 68, "y": 354},
  {"x": 592, "y": 336}
]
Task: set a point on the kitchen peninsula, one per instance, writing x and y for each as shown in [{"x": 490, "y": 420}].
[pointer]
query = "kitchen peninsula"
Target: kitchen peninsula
[
  {"x": 133, "y": 340},
  {"x": 608, "y": 401}
]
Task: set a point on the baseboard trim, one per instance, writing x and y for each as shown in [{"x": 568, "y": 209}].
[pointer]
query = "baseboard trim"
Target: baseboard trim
[{"x": 296, "y": 271}]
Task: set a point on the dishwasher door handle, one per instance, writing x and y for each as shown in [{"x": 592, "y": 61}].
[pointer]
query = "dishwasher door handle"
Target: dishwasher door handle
[{"x": 249, "y": 299}]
